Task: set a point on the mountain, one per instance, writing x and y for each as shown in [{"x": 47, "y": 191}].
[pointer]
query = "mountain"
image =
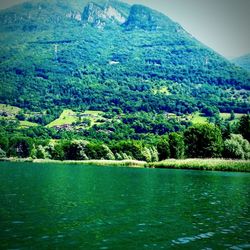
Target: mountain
[
  {"x": 243, "y": 61},
  {"x": 102, "y": 55}
]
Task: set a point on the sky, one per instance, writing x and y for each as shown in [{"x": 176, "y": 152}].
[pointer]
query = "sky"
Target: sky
[{"x": 223, "y": 25}]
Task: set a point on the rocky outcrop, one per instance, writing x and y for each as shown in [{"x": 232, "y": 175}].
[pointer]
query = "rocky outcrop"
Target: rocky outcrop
[
  {"x": 142, "y": 17},
  {"x": 74, "y": 15},
  {"x": 98, "y": 16}
]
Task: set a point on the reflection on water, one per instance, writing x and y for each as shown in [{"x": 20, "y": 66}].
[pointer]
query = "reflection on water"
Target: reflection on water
[{"x": 57, "y": 206}]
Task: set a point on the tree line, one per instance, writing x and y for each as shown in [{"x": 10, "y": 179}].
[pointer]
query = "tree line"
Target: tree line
[{"x": 197, "y": 141}]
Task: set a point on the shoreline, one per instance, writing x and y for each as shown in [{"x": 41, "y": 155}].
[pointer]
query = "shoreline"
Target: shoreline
[
  {"x": 122, "y": 163},
  {"x": 211, "y": 164},
  {"x": 187, "y": 164}
]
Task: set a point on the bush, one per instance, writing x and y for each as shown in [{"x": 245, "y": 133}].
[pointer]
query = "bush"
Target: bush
[{"x": 237, "y": 147}]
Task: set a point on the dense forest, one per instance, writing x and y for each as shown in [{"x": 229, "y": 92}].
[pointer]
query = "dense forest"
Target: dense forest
[{"x": 208, "y": 140}]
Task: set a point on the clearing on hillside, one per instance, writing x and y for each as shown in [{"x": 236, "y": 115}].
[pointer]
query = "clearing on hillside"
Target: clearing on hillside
[
  {"x": 68, "y": 117},
  {"x": 9, "y": 110}
]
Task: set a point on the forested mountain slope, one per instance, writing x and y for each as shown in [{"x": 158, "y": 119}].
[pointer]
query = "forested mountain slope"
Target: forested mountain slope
[{"x": 104, "y": 54}]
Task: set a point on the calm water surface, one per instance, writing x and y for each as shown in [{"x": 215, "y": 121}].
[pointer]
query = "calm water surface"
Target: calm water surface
[{"x": 87, "y": 207}]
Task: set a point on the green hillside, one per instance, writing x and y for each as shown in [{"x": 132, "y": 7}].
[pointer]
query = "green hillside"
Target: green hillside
[
  {"x": 85, "y": 56},
  {"x": 105, "y": 80}
]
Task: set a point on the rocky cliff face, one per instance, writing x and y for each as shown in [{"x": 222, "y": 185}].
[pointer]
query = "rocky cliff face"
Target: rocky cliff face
[
  {"x": 74, "y": 15},
  {"x": 145, "y": 18},
  {"x": 98, "y": 16}
]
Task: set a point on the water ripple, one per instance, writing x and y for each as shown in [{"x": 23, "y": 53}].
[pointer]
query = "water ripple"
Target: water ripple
[{"x": 185, "y": 240}]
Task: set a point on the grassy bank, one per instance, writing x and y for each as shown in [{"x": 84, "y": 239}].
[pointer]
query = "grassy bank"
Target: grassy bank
[
  {"x": 194, "y": 164},
  {"x": 204, "y": 164},
  {"x": 127, "y": 163}
]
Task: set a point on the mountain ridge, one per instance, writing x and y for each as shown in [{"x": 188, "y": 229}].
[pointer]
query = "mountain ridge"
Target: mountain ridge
[{"x": 243, "y": 61}]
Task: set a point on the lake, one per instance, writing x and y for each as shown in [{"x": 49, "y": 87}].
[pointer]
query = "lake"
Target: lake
[{"x": 60, "y": 206}]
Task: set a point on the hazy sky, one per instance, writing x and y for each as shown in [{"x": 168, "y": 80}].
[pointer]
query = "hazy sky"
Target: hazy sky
[{"x": 223, "y": 25}]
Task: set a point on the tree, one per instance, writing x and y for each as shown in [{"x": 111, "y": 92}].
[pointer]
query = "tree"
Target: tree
[
  {"x": 75, "y": 150},
  {"x": 4, "y": 142},
  {"x": 244, "y": 126},
  {"x": 20, "y": 116},
  {"x": 232, "y": 115},
  {"x": 42, "y": 152},
  {"x": 210, "y": 111},
  {"x": 131, "y": 149},
  {"x": 86, "y": 122},
  {"x": 176, "y": 145},
  {"x": 154, "y": 154},
  {"x": 56, "y": 151},
  {"x": 147, "y": 154},
  {"x": 163, "y": 148},
  {"x": 237, "y": 147},
  {"x": 20, "y": 147},
  {"x": 2, "y": 153},
  {"x": 106, "y": 153},
  {"x": 203, "y": 140}
]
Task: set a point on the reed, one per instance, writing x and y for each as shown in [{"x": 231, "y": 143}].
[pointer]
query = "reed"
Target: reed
[
  {"x": 128, "y": 163},
  {"x": 204, "y": 164},
  {"x": 192, "y": 164}
]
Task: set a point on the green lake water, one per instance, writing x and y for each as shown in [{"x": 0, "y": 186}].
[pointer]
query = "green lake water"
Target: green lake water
[{"x": 50, "y": 206}]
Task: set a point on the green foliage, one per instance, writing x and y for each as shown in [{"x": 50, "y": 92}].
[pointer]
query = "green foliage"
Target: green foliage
[
  {"x": 122, "y": 156},
  {"x": 210, "y": 111},
  {"x": 147, "y": 154},
  {"x": 232, "y": 115},
  {"x": 237, "y": 147},
  {"x": 75, "y": 150},
  {"x": 2, "y": 153},
  {"x": 107, "y": 153},
  {"x": 203, "y": 141},
  {"x": 20, "y": 116},
  {"x": 52, "y": 60},
  {"x": 163, "y": 148},
  {"x": 57, "y": 152},
  {"x": 20, "y": 147},
  {"x": 129, "y": 149},
  {"x": 244, "y": 126},
  {"x": 4, "y": 141},
  {"x": 147, "y": 122},
  {"x": 154, "y": 154},
  {"x": 176, "y": 145},
  {"x": 48, "y": 150}
]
